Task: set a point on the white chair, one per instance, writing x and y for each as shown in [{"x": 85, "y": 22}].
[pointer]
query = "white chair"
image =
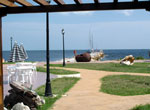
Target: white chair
[
  {"x": 34, "y": 68},
  {"x": 11, "y": 73}
]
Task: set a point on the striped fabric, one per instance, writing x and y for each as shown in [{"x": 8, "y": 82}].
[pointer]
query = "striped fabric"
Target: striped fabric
[{"x": 18, "y": 53}]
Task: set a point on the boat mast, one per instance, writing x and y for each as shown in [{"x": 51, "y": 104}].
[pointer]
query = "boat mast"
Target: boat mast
[{"x": 91, "y": 40}]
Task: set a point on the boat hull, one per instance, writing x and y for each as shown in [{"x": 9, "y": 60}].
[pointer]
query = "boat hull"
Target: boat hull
[{"x": 85, "y": 57}]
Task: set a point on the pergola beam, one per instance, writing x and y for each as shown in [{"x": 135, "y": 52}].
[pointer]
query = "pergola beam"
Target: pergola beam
[
  {"x": 22, "y": 2},
  {"x": 78, "y": 1},
  {"x": 60, "y": 2},
  {"x": 41, "y": 2},
  {"x": 96, "y": 1},
  {"x": 74, "y": 7},
  {"x": 7, "y": 3}
]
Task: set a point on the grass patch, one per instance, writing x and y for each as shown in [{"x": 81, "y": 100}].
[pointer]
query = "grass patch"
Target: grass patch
[
  {"x": 57, "y": 71},
  {"x": 142, "y": 107},
  {"x": 59, "y": 86},
  {"x": 8, "y": 62},
  {"x": 57, "y": 65},
  {"x": 126, "y": 85},
  {"x": 114, "y": 67}
]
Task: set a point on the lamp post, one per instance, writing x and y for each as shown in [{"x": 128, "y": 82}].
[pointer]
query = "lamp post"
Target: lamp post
[
  {"x": 48, "y": 90},
  {"x": 63, "y": 33}
]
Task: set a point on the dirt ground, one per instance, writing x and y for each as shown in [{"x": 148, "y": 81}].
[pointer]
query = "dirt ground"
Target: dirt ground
[{"x": 85, "y": 94}]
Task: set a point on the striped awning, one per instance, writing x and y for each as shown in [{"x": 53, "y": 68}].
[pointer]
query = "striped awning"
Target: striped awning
[{"x": 18, "y": 54}]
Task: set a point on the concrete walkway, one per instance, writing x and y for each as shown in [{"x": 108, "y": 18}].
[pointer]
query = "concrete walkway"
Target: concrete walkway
[
  {"x": 85, "y": 94},
  {"x": 38, "y": 80}
]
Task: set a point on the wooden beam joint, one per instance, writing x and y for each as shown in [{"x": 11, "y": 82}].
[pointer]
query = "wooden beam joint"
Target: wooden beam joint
[{"x": 3, "y": 14}]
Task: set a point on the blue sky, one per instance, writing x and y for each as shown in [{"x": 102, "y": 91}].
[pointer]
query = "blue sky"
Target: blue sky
[{"x": 125, "y": 29}]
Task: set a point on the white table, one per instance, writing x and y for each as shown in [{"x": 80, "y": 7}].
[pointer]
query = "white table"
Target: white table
[
  {"x": 24, "y": 71},
  {"x": 28, "y": 64},
  {"x": 24, "y": 64}
]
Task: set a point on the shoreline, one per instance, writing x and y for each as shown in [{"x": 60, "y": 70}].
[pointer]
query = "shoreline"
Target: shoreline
[
  {"x": 42, "y": 63},
  {"x": 106, "y": 61}
]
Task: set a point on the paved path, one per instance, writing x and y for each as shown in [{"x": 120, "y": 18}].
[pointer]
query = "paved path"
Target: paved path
[
  {"x": 38, "y": 80},
  {"x": 85, "y": 94}
]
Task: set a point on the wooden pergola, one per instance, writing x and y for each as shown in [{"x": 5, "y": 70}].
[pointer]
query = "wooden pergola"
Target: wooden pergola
[{"x": 23, "y": 6}]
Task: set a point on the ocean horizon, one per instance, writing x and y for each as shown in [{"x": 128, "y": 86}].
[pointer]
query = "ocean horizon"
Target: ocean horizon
[{"x": 56, "y": 55}]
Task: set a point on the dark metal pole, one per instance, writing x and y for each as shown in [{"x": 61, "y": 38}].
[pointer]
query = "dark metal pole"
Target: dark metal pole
[
  {"x": 48, "y": 90},
  {"x": 11, "y": 42},
  {"x": 63, "y": 51}
]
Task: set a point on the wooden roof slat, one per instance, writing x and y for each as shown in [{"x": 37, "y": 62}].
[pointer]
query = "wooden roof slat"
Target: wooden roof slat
[
  {"x": 8, "y": 3},
  {"x": 41, "y": 2},
  {"x": 60, "y": 2},
  {"x": 22, "y": 2},
  {"x": 96, "y": 1},
  {"x": 78, "y": 1}
]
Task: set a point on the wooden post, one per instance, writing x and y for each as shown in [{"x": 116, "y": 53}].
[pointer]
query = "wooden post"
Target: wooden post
[{"x": 1, "y": 67}]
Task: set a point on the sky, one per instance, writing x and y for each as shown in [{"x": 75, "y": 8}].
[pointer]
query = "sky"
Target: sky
[{"x": 123, "y": 29}]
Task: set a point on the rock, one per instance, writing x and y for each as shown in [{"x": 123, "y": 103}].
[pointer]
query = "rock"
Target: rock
[
  {"x": 5, "y": 108},
  {"x": 20, "y": 93},
  {"x": 20, "y": 106},
  {"x": 39, "y": 101},
  {"x": 128, "y": 60}
]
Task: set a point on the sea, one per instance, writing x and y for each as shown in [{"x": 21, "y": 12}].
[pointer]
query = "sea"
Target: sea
[{"x": 57, "y": 55}]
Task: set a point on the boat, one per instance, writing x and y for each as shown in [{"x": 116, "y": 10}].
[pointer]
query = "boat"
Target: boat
[
  {"x": 95, "y": 55},
  {"x": 89, "y": 55},
  {"x": 85, "y": 57}
]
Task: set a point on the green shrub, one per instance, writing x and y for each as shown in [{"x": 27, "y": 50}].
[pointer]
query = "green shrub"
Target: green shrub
[{"x": 139, "y": 58}]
